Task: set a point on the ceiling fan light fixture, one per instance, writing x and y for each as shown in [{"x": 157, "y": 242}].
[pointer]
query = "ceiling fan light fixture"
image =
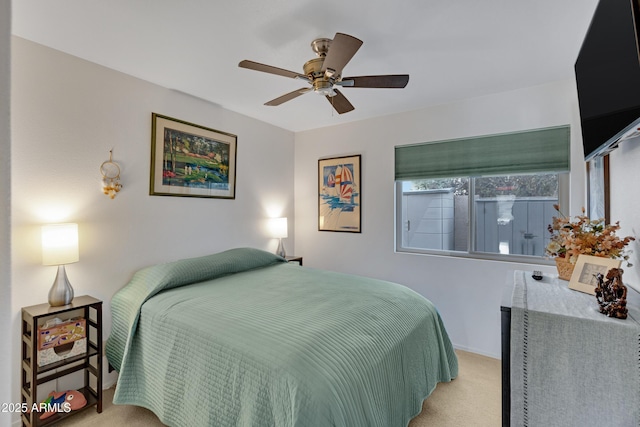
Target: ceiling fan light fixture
[
  {"x": 323, "y": 87},
  {"x": 326, "y": 92},
  {"x": 324, "y": 73}
]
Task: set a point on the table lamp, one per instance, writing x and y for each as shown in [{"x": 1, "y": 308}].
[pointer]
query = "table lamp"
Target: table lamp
[
  {"x": 278, "y": 229},
  {"x": 60, "y": 247}
]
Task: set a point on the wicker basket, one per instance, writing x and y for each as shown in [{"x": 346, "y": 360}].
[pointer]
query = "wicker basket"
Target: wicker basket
[{"x": 565, "y": 268}]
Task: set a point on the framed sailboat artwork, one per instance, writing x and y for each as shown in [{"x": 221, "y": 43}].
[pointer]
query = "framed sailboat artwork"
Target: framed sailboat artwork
[{"x": 339, "y": 194}]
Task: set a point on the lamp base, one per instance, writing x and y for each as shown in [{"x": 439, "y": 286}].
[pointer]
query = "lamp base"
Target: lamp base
[
  {"x": 61, "y": 293},
  {"x": 280, "y": 251}
]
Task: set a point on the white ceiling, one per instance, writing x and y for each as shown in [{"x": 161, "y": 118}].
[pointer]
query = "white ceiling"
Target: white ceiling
[{"x": 451, "y": 49}]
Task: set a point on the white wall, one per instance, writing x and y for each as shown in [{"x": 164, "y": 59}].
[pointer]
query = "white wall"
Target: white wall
[
  {"x": 67, "y": 114},
  {"x": 6, "y": 368},
  {"x": 625, "y": 201},
  {"x": 467, "y": 292}
]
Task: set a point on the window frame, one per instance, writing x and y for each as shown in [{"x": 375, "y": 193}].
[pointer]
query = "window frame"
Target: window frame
[{"x": 563, "y": 200}]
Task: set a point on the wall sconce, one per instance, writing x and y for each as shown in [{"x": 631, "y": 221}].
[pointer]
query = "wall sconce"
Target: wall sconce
[
  {"x": 60, "y": 247},
  {"x": 110, "y": 177},
  {"x": 278, "y": 229}
]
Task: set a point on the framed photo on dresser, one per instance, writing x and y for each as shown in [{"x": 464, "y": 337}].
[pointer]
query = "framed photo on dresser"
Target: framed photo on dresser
[{"x": 587, "y": 267}]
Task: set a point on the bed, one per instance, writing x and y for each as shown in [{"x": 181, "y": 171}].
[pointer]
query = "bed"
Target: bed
[{"x": 242, "y": 338}]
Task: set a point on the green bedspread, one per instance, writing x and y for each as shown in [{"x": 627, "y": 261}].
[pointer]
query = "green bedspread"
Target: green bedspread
[{"x": 242, "y": 339}]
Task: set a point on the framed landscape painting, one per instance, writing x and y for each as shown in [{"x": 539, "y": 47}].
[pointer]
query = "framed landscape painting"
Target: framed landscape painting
[
  {"x": 339, "y": 194},
  {"x": 191, "y": 160}
]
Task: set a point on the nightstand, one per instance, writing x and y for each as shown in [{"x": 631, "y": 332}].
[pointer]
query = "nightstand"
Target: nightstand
[
  {"x": 90, "y": 362},
  {"x": 294, "y": 258}
]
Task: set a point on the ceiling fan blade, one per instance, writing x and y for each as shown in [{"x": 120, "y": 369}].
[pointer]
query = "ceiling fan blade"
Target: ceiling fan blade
[
  {"x": 341, "y": 50},
  {"x": 288, "y": 96},
  {"x": 387, "y": 81},
  {"x": 340, "y": 103},
  {"x": 251, "y": 65}
]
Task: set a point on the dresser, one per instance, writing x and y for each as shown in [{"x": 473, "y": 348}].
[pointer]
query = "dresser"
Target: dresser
[{"x": 563, "y": 362}]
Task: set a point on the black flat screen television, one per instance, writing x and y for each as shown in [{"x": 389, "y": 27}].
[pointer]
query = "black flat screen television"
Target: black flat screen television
[{"x": 608, "y": 76}]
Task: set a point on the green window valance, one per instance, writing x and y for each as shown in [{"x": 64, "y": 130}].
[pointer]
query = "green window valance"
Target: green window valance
[{"x": 533, "y": 151}]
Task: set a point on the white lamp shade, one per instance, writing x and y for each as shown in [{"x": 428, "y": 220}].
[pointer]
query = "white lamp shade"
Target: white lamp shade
[
  {"x": 59, "y": 244},
  {"x": 278, "y": 227}
]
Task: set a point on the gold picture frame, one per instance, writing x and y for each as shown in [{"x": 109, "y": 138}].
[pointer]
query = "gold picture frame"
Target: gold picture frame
[
  {"x": 583, "y": 278},
  {"x": 190, "y": 160}
]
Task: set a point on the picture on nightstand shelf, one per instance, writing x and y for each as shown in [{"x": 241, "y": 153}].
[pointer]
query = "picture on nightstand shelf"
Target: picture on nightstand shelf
[{"x": 58, "y": 340}]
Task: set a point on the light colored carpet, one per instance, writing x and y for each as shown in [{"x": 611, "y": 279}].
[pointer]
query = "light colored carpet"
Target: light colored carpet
[{"x": 472, "y": 399}]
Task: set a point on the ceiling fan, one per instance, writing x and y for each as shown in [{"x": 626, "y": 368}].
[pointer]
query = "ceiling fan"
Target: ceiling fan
[{"x": 324, "y": 73}]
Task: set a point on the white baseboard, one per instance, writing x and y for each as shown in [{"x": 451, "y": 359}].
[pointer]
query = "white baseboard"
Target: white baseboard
[{"x": 476, "y": 351}]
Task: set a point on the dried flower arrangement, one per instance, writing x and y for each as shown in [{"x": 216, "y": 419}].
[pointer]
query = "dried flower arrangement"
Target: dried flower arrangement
[{"x": 570, "y": 238}]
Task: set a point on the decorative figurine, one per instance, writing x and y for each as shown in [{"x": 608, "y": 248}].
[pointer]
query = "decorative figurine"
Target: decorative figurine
[{"x": 612, "y": 294}]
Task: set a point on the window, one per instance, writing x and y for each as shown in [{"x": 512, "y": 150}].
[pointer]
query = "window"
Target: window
[
  {"x": 499, "y": 209},
  {"x": 598, "y": 188}
]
